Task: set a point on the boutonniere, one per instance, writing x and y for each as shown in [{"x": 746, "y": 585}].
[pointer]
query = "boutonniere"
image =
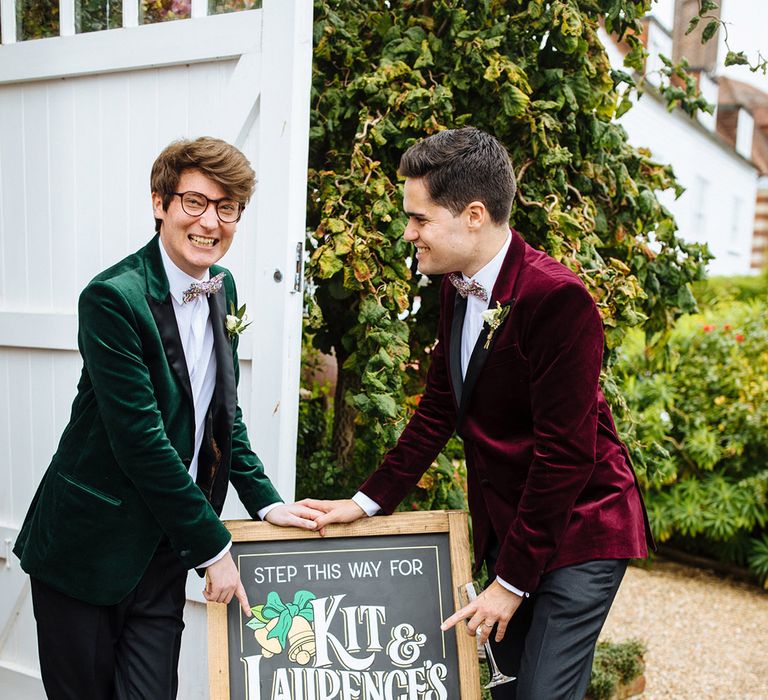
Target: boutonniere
[
  {"x": 494, "y": 318},
  {"x": 237, "y": 321}
]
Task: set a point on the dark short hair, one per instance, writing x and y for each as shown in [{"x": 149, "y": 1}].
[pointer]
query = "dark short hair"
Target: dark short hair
[
  {"x": 460, "y": 166},
  {"x": 214, "y": 158}
]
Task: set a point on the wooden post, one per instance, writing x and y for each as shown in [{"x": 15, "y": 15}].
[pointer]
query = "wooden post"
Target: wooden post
[
  {"x": 281, "y": 169},
  {"x": 130, "y": 13},
  {"x": 66, "y": 17},
  {"x": 8, "y": 20}
]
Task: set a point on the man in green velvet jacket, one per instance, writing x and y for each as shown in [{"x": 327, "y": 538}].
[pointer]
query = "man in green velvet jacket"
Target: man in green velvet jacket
[{"x": 132, "y": 496}]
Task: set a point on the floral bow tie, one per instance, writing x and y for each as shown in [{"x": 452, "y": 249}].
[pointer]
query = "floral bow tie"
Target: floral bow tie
[
  {"x": 465, "y": 288},
  {"x": 208, "y": 287}
]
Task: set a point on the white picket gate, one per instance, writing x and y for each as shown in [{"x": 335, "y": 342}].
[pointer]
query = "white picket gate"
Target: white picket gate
[{"x": 82, "y": 117}]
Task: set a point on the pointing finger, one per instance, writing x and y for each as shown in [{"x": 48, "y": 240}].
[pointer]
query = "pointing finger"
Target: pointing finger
[{"x": 243, "y": 598}]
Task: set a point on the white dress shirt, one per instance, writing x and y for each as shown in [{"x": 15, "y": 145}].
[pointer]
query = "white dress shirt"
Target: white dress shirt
[
  {"x": 470, "y": 332},
  {"x": 196, "y": 332},
  {"x": 473, "y": 320}
]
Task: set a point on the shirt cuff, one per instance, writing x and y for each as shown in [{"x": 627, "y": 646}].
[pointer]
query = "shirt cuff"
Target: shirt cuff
[
  {"x": 262, "y": 513},
  {"x": 368, "y": 505},
  {"x": 206, "y": 564},
  {"x": 511, "y": 588}
]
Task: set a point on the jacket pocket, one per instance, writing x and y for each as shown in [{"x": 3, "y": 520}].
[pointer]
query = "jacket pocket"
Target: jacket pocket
[{"x": 92, "y": 491}]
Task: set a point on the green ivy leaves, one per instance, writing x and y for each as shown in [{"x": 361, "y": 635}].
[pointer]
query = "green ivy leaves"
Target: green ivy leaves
[{"x": 535, "y": 74}]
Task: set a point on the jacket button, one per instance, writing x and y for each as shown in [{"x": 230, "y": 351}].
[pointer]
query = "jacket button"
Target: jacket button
[
  {"x": 184, "y": 553},
  {"x": 485, "y": 482}
]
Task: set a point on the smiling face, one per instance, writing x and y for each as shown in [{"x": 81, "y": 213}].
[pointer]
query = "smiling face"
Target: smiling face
[
  {"x": 193, "y": 243},
  {"x": 444, "y": 242}
]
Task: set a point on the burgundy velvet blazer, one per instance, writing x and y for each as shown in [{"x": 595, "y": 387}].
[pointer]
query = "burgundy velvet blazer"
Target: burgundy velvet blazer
[{"x": 547, "y": 473}]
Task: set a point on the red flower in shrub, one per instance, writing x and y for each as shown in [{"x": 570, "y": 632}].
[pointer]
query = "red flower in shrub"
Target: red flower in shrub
[
  {"x": 708, "y": 328},
  {"x": 727, "y": 327},
  {"x": 739, "y": 338}
]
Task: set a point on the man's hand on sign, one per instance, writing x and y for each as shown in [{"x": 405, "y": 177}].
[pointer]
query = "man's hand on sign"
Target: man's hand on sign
[
  {"x": 342, "y": 511},
  {"x": 294, "y": 515},
  {"x": 494, "y": 606},
  {"x": 222, "y": 583}
]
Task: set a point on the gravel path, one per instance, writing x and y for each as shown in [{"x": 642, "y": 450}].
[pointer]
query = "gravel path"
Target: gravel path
[{"x": 707, "y": 637}]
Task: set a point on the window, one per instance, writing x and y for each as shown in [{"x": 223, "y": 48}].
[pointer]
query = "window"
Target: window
[{"x": 38, "y": 19}]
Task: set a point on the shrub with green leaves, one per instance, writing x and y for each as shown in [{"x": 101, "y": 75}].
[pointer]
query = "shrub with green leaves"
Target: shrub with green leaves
[
  {"x": 703, "y": 412},
  {"x": 536, "y": 75},
  {"x": 615, "y": 664}
]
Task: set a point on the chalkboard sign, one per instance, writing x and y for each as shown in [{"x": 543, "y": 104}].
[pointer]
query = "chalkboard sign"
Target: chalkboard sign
[{"x": 355, "y": 614}]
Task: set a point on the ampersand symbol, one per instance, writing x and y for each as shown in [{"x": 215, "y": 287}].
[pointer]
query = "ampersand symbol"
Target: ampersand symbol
[{"x": 405, "y": 645}]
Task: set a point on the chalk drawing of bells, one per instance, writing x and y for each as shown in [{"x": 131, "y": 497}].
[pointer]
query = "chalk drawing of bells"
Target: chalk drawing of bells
[{"x": 277, "y": 625}]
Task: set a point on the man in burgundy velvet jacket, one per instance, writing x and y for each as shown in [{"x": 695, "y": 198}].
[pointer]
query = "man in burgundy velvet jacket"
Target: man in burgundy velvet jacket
[{"x": 555, "y": 506}]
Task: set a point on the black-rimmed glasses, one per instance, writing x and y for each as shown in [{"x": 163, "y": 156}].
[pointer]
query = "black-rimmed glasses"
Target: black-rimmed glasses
[{"x": 193, "y": 203}]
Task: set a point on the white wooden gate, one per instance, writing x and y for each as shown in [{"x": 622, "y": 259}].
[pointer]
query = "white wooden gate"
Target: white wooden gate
[{"x": 81, "y": 120}]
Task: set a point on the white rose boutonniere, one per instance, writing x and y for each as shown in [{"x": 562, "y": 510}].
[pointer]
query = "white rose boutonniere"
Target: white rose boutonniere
[
  {"x": 494, "y": 318},
  {"x": 237, "y": 321}
]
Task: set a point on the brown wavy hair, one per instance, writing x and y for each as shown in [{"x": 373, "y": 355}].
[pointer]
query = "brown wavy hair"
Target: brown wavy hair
[{"x": 214, "y": 158}]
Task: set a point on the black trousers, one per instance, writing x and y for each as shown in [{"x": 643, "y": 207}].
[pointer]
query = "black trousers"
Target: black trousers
[
  {"x": 127, "y": 651},
  {"x": 550, "y": 641}
]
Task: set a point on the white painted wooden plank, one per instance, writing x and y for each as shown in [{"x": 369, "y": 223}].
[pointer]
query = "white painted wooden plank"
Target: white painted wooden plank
[
  {"x": 7, "y": 538},
  {"x": 144, "y": 146},
  {"x": 133, "y": 48},
  {"x": 55, "y": 331},
  {"x": 244, "y": 388},
  {"x": 194, "y": 651},
  {"x": 130, "y": 13},
  {"x": 42, "y": 425},
  {"x": 19, "y": 421},
  {"x": 68, "y": 366},
  {"x": 174, "y": 103},
  {"x": 58, "y": 331},
  {"x": 4, "y": 230},
  {"x": 19, "y": 651},
  {"x": 199, "y": 8},
  {"x": 113, "y": 112},
  {"x": 67, "y": 17},
  {"x": 237, "y": 111},
  {"x": 7, "y": 406},
  {"x": 283, "y": 135},
  {"x": 15, "y": 586},
  {"x": 12, "y": 194},
  {"x": 89, "y": 178},
  {"x": 19, "y": 683},
  {"x": 8, "y": 21},
  {"x": 37, "y": 194},
  {"x": 62, "y": 184},
  {"x": 211, "y": 80}
]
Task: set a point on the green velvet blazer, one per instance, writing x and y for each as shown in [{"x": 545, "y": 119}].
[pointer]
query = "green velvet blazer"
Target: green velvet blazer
[{"x": 118, "y": 482}]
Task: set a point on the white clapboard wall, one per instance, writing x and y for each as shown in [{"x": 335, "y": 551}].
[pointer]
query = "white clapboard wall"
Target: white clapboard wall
[{"x": 82, "y": 118}]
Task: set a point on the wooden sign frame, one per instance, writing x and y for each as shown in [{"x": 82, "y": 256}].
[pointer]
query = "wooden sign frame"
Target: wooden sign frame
[{"x": 454, "y": 523}]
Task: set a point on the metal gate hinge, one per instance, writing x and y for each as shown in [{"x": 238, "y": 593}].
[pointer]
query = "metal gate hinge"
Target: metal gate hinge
[{"x": 297, "y": 278}]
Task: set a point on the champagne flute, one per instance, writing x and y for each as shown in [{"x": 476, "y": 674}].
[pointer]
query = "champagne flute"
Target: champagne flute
[{"x": 468, "y": 593}]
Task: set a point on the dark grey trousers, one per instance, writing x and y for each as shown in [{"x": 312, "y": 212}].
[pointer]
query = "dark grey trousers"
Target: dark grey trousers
[
  {"x": 127, "y": 651},
  {"x": 550, "y": 640}
]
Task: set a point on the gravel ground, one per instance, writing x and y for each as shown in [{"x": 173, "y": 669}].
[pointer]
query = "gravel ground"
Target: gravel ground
[{"x": 707, "y": 637}]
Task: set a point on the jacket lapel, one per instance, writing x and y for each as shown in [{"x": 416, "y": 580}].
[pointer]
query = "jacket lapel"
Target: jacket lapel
[
  {"x": 216, "y": 447},
  {"x": 459, "y": 311},
  {"x": 161, "y": 306},
  {"x": 224, "y": 397},
  {"x": 503, "y": 292},
  {"x": 480, "y": 355}
]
